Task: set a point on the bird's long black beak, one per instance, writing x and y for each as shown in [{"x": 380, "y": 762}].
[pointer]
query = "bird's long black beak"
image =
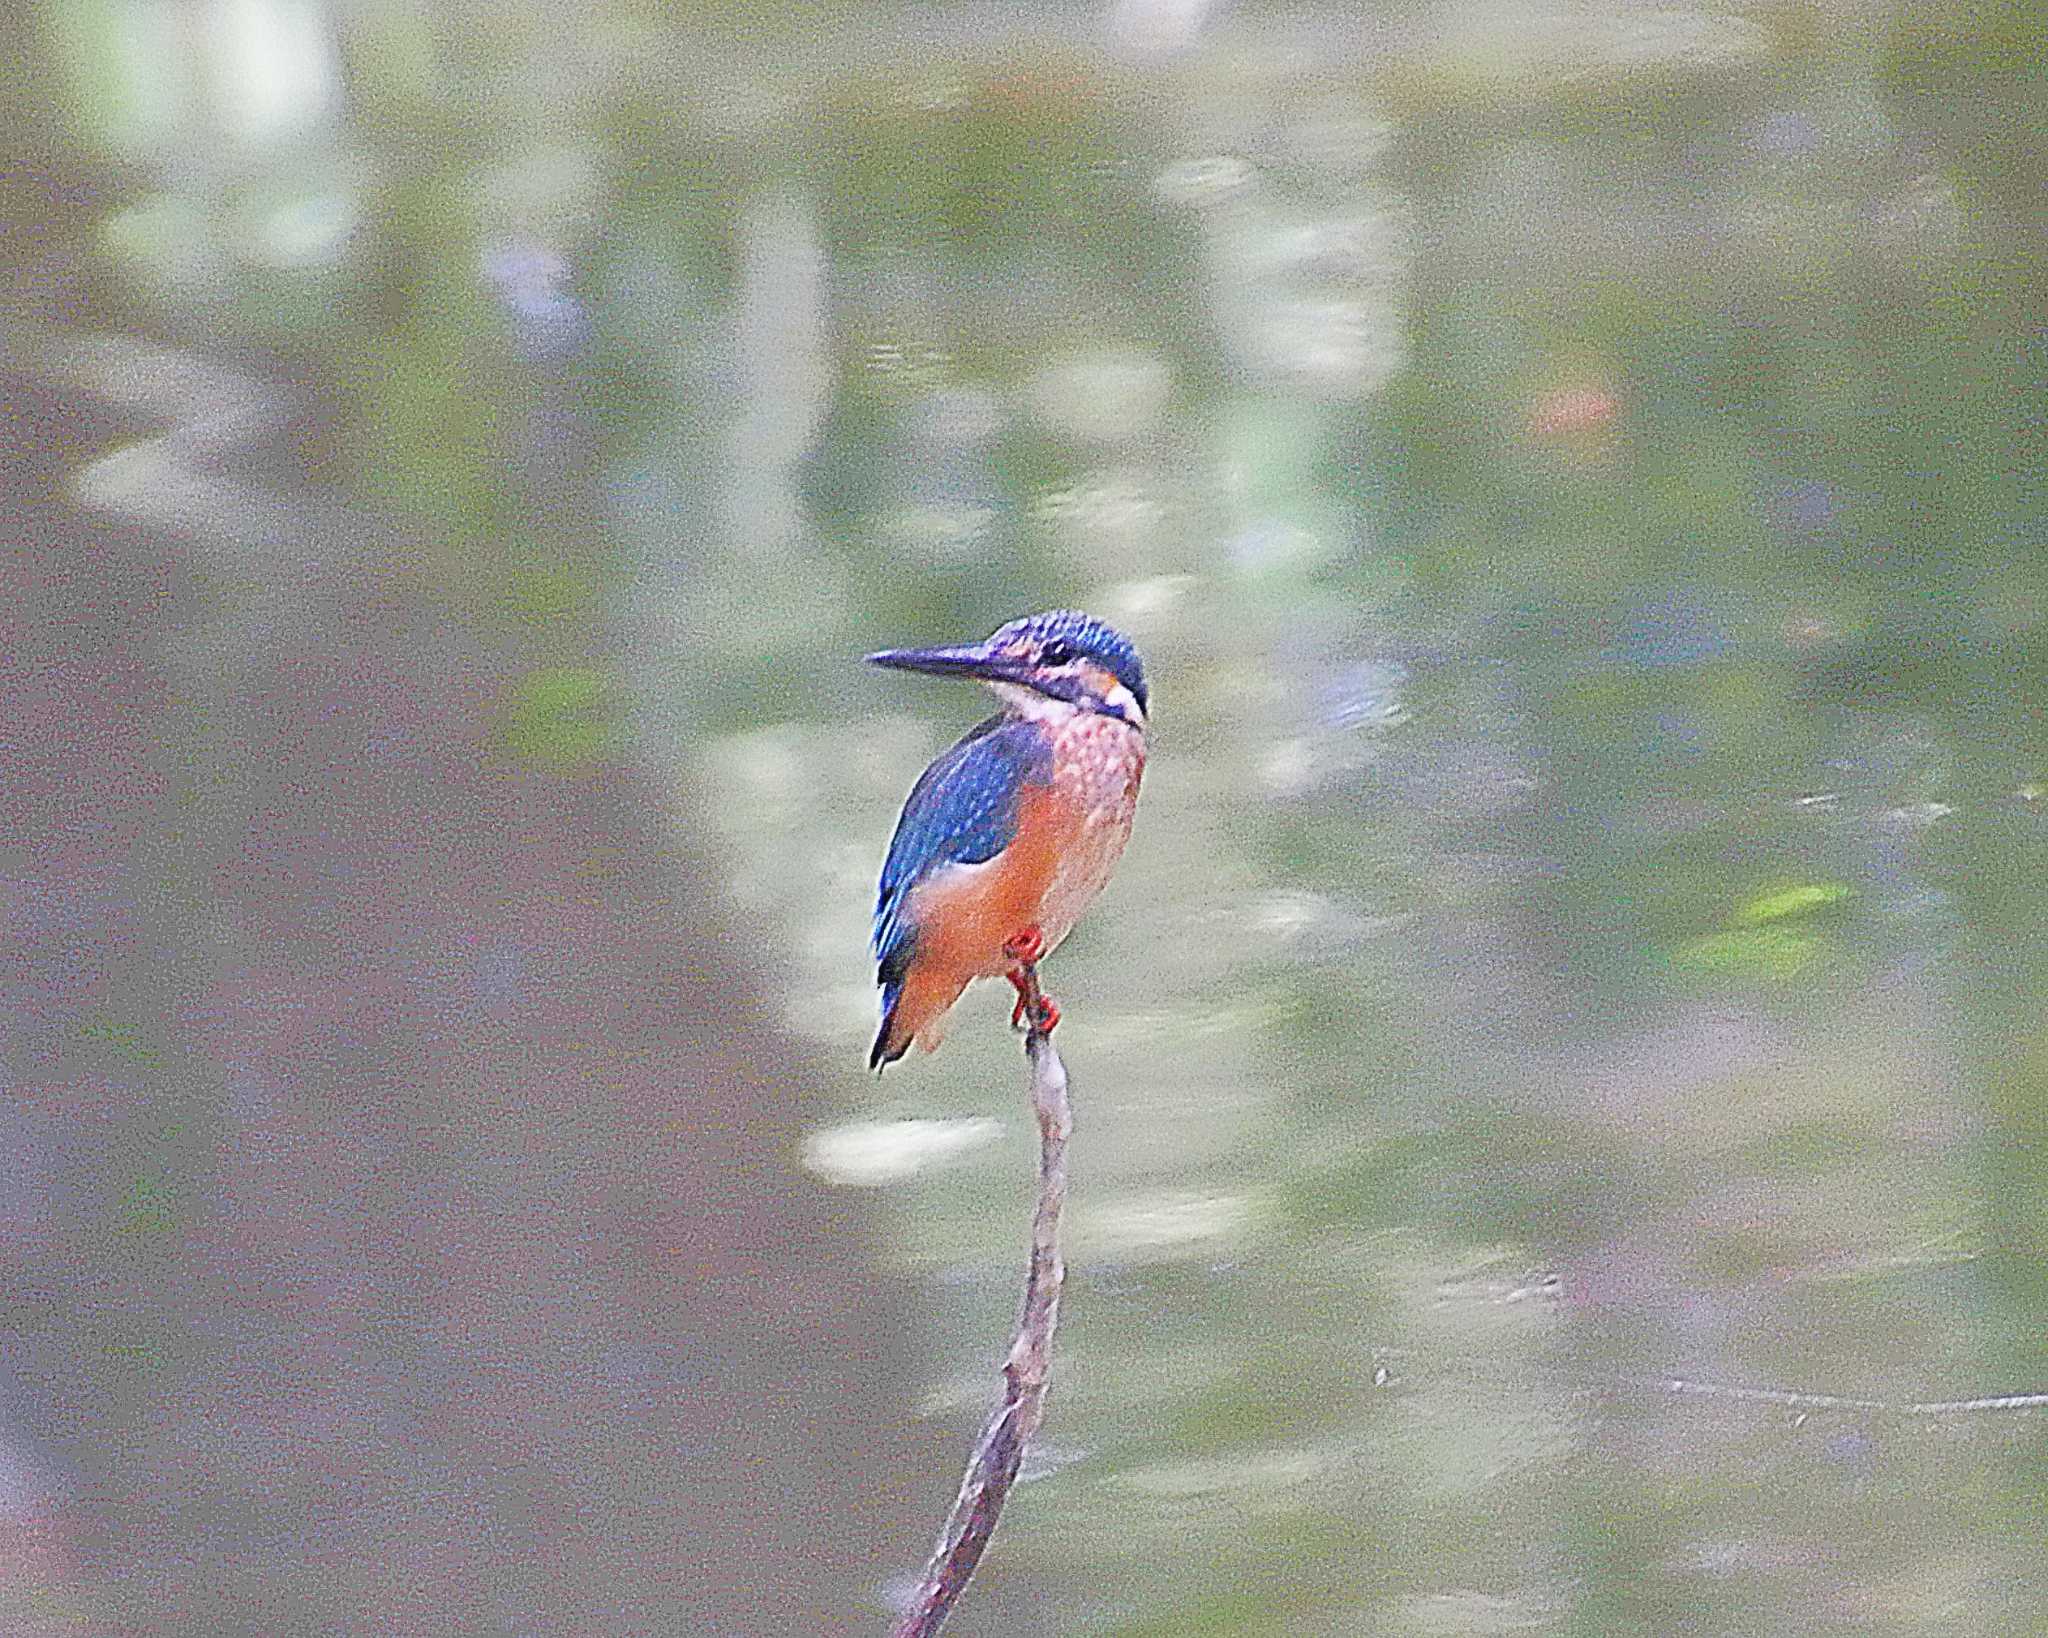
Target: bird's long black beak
[{"x": 972, "y": 660}]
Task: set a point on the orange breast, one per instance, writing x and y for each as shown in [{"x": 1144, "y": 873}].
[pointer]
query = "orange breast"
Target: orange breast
[{"x": 965, "y": 915}]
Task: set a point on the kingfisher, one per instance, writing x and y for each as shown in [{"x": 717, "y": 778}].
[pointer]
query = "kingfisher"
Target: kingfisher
[{"x": 1006, "y": 839}]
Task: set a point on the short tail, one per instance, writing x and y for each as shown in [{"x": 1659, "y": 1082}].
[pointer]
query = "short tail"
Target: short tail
[
  {"x": 888, "y": 1047},
  {"x": 912, "y": 1007}
]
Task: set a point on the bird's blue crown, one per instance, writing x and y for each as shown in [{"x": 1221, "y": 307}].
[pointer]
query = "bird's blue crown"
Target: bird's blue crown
[{"x": 1064, "y": 635}]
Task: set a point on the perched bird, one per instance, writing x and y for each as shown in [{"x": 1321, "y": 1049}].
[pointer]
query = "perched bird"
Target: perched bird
[{"x": 1007, "y": 838}]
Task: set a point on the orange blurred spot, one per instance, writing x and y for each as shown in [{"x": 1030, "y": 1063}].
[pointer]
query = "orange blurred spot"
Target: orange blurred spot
[{"x": 1573, "y": 412}]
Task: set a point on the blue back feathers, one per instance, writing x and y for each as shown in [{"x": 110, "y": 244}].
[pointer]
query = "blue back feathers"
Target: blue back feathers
[{"x": 962, "y": 811}]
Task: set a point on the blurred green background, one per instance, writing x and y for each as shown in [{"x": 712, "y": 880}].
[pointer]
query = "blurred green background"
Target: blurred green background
[{"x": 1577, "y": 476}]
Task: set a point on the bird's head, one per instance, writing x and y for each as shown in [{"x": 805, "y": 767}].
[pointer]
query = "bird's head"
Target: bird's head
[{"x": 1044, "y": 665}]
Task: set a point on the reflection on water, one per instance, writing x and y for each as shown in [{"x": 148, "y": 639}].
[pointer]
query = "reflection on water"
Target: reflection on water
[{"x": 1571, "y": 479}]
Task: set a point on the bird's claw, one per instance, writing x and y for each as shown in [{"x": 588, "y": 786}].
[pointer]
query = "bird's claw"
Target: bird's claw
[
  {"x": 1034, "y": 1008},
  {"x": 1044, "y": 1015}
]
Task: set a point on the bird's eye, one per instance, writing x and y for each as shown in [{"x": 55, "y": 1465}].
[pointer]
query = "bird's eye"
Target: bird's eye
[{"x": 1056, "y": 652}]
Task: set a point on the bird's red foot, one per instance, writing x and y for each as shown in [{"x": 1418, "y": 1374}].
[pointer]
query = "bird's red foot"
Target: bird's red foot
[
  {"x": 1039, "y": 1006},
  {"x": 1023, "y": 953}
]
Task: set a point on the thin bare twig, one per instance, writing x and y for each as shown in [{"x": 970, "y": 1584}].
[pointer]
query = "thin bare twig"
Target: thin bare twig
[
  {"x": 1795, "y": 1399},
  {"x": 1802, "y": 1400},
  {"x": 1028, "y": 1370}
]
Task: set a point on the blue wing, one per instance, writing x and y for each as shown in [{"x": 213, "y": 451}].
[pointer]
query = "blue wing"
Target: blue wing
[{"x": 962, "y": 811}]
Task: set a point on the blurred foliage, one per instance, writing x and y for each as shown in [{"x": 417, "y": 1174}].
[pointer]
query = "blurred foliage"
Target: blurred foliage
[
  {"x": 1772, "y": 936},
  {"x": 557, "y": 718}
]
